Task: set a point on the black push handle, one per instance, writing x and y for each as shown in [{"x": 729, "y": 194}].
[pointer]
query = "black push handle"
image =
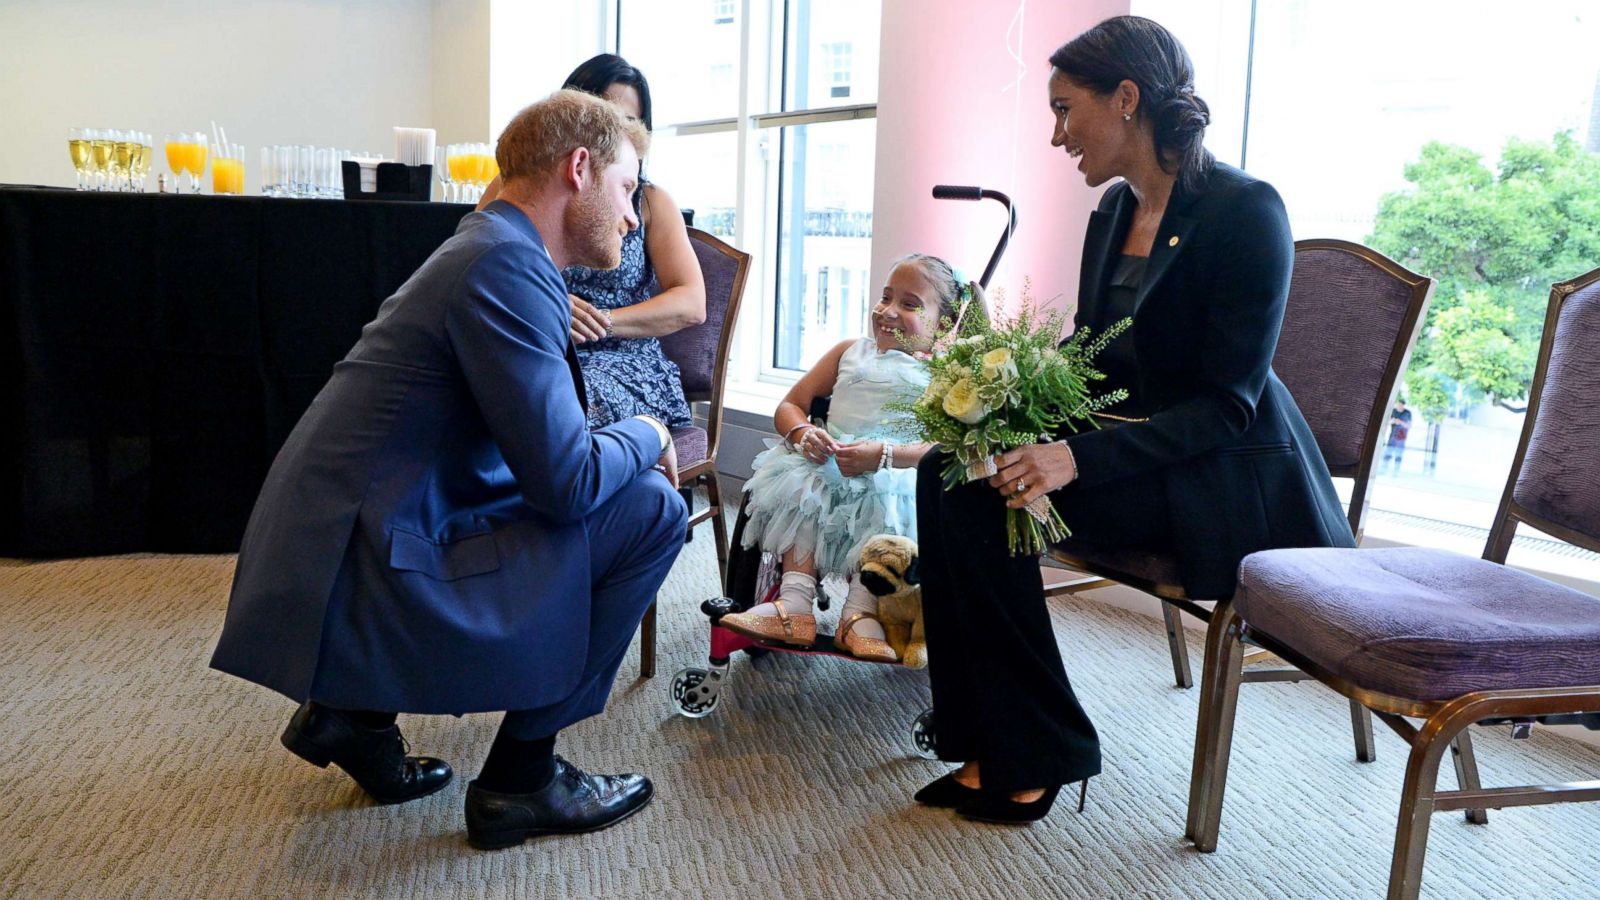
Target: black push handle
[{"x": 971, "y": 192}]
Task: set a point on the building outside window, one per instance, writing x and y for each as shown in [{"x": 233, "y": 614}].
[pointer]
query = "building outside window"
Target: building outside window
[{"x": 836, "y": 62}]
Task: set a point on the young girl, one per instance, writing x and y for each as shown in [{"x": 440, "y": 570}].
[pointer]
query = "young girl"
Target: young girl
[{"x": 816, "y": 498}]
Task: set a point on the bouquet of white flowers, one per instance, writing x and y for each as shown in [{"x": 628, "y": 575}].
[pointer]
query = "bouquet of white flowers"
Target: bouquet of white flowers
[{"x": 1002, "y": 384}]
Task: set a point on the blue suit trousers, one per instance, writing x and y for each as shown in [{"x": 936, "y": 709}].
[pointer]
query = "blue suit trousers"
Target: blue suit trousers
[{"x": 633, "y": 539}]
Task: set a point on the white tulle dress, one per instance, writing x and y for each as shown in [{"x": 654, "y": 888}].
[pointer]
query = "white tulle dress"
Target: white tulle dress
[{"x": 795, "y": 503}]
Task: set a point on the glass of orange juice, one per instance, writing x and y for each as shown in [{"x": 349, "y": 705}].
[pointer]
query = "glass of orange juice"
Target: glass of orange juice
[
  {"x": 186, "y": 156},
  {"x": 456, "y": 164},
  {"x": 483, "y": 166},
  {"x": 227, "y": 169}
]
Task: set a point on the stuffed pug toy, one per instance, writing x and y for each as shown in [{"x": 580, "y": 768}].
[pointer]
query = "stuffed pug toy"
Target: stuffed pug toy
[{"x": 889, "y": 570}]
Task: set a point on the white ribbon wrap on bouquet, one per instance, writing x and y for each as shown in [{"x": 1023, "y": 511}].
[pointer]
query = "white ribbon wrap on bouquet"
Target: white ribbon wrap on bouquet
[{"x": 1038, "y": 507}]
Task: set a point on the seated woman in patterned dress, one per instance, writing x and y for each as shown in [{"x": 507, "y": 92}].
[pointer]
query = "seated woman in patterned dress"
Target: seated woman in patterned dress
[{"x": 616, "y": 320}]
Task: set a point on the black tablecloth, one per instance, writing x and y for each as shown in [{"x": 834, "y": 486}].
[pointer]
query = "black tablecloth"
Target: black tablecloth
[{"x": 156, "y": 350}]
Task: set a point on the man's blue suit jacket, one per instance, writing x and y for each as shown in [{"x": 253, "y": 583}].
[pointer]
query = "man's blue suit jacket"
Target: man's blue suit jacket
[{"x": 419, "y": 543}]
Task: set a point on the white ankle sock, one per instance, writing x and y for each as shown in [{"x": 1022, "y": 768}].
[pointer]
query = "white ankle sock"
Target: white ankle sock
[
  {"x": 859, "y": 599},
  {"x": 796, "y": 592}
]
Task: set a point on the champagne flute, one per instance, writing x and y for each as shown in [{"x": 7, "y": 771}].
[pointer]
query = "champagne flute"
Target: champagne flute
[
  {"x": 104, "y": 149},
  {"x": 184, "y": 159},
  {"x": 127, "y": 154},
  {"x": 480, "y": 170},
  {"x": 442, "y": 165},
  {"x": 82, "y": 151},
  {"x": 141, "y": 161}
]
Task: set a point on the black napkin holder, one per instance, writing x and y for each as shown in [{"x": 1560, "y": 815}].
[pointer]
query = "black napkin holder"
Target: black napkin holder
[{"x": 396, "y": 181}]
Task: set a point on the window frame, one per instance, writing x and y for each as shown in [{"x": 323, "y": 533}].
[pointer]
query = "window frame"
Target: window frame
[{"x": 756, "y": 383}]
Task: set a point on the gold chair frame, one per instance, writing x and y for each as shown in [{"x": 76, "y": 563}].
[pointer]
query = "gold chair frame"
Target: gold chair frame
[{"x": 1445, "y": 722}]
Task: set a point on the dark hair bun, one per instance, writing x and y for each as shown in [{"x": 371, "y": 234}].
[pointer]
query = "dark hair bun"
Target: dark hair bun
[{"x": 1180, "y": 121}]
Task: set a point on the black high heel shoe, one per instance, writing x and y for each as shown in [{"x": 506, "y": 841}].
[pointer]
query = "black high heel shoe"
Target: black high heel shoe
[
  {"x": 946, "y": 793},
  {"x": 1000, "y": 809}
]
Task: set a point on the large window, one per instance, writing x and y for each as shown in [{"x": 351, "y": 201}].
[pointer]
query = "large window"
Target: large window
[
  {"x": 1462, "y": 138},
  {"x": 764, "y": 116}
]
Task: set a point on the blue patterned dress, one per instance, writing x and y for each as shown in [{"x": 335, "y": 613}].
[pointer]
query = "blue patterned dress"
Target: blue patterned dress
[{"x": 626, "y": 377}]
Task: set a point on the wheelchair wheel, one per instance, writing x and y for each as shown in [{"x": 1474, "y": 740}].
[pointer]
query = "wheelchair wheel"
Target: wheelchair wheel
[
  {"x": 922, "y": 735},
  {"x": 695, "y": 692}
]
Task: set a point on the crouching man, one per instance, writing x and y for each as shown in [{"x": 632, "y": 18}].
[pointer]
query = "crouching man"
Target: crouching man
[{"x": 442, "y": 534}]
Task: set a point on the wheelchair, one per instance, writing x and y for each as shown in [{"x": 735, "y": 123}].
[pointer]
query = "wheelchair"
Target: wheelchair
[{"x": 752, "y": 576}]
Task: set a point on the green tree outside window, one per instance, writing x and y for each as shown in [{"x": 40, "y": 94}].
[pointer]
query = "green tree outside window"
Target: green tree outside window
[{"x": 1495, "y": 242}]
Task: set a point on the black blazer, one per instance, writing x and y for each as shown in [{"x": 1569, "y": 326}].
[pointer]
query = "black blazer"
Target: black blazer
[{"x": 1241, "y": 469}]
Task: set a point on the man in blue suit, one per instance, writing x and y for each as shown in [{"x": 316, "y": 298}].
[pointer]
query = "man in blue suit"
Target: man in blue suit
[{"x": 441, "y": 533}]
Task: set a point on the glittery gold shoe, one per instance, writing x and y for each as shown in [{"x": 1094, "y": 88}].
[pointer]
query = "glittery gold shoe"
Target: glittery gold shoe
[
  {"x": 870, "y": 649},
  {"x": 798, "y": 630}
]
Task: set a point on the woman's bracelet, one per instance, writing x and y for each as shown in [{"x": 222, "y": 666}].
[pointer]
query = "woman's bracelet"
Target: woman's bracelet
[
  {"x": 606, "y": 314},
  {"x": 886, "y": 457},
  {"x": 1071, "y": 457}
]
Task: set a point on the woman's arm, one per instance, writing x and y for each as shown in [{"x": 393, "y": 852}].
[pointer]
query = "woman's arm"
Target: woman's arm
[
  {"x": 1244, "y": 303},
  {"x": 793, "y": 420},
  {"x": 682, "y": 301}
]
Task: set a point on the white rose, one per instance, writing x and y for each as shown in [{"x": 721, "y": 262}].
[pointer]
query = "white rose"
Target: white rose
[
  {"x": 998, "y": 365},
  {"x": 963, "y": 403}
]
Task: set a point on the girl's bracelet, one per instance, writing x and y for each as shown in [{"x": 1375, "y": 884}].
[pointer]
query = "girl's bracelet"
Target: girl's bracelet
[{"x": 791, "y": 444}]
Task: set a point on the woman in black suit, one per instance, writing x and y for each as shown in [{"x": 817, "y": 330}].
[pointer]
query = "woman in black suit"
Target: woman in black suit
[{"x": 1208, "y": 459}]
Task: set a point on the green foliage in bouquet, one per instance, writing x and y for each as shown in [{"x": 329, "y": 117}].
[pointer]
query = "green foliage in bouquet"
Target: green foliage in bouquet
[{"x": 997, "y": 385}]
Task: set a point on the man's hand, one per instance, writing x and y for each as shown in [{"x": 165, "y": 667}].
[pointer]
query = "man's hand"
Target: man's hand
[
  {"x": 668, "y": 464},
  {"x": 858, "y": 458},
  {"x": 1041, "y": 468},
  {"x": 587, "y": 323}
]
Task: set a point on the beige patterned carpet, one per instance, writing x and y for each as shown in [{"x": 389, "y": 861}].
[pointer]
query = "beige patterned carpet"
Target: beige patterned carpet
[{"x": 128, "y": 769}]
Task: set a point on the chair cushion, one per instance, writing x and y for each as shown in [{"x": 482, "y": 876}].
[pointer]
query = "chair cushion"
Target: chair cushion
[
  {"x": 1422, "y": 624},
  {"x": 690, "y": 443}
]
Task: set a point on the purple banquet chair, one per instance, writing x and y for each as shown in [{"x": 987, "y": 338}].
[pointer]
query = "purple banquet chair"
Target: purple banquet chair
[
  {"x": 1450, "y": 639},
  {"x": 1351, "y": 320},
  {"x": 701, "y": 354}
]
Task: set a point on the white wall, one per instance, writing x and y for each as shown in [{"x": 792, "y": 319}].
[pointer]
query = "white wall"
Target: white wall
[
  {"x": 459, "y": 70},
  {"x": 534, "y": 46},
  {"x": 325, "y": 72}
]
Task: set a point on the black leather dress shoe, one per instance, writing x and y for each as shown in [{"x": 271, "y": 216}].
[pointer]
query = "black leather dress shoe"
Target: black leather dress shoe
[
  {"x": 375, "y": 758},
  {"x": 573, "y": 802},
  {"x": 946, "y": 793}
]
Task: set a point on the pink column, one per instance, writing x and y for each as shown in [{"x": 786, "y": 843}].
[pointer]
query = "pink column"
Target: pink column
[{"x": 949, "y": 112}]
